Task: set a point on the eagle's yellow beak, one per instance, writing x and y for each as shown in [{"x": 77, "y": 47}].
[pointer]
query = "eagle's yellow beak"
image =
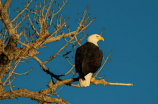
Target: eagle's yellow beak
[{"x": 101, "y": 38}]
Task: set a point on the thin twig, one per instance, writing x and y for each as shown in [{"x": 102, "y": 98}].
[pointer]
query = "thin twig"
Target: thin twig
[
  {"x": 22, "y": 11},
  {"x": 58, "y": 51},
  {"x": 23, "y": 73},
  {"x": 69, "y": 71},
  {"x": 103, "y": 64},
  {"x": 32, "y": 25}
]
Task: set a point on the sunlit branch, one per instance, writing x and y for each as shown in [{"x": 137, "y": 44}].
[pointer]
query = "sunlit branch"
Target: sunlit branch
[
  {"x": 103, "y": 64},
  {"x": 40, "y": 62},
  {"x": 23, "y": 44},
  {"x": 32, "y": 25},
  {"x": 77, "y": 41},
  {"x": 57, "y": 52},
  {"x": 69, "y": 71},
  {"x": 23, "y": 73},
  {"x": 57, "y": 38},
  {"x": 43, "y": 11},
  {"x": 35, "y": 95},
  {"x": 44, "y": 68},
  {"x": 103, "y": 82},
  {"x": 102, "y": 32},
  {"x": 6, "y": 4},
  {"x": 11, "y": 71},
  {"x": 57, "y": 13},
  {"x": 20, "y": 22},
  {"x": 50, "y": 4},
  {"x": 27, "y": 5}
]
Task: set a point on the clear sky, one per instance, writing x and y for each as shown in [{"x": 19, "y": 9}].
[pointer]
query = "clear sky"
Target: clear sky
[{"x": 131, "y": 31}]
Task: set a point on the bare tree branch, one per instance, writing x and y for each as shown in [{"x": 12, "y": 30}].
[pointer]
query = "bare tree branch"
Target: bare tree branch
[
  {"x": 6, "y": 4},
  {"x": 27, "y": 5},
  {"x": 103, "y": 82},
  {"x": 38, "y": 96},
  {"x": 103, "y": 64}
]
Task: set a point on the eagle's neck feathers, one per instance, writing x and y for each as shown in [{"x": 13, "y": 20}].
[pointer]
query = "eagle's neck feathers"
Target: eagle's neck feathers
[{"x": 94, "y": 42}]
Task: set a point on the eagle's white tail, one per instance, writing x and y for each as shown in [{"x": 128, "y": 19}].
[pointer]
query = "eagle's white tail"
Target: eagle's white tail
[{"x": 86, "y": 82}]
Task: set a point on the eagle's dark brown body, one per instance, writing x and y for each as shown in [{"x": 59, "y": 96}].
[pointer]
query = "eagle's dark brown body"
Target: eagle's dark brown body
[{"x": 88, "y": 59}]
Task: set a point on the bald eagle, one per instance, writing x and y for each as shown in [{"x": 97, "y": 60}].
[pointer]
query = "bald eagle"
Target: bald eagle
[{"x": 88, "y": 59}]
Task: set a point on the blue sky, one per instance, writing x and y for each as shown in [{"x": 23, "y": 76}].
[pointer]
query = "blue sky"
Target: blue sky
[{"x": 131, "y": 31}]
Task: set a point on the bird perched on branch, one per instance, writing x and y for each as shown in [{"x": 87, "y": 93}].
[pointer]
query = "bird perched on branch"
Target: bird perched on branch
[{"x": 88, "y": 59}]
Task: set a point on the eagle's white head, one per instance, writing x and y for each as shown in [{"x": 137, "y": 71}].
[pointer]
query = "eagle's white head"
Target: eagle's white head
[{"x": 94, "y": 38}]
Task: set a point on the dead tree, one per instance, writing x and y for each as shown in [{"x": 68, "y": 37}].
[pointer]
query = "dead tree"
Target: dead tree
[{"x": 34, "y": 38}]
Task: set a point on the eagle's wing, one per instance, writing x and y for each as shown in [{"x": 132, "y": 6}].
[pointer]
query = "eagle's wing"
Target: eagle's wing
[
  {"x": 92, "y": 62},
  {"x": 78, "y": 62}
]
